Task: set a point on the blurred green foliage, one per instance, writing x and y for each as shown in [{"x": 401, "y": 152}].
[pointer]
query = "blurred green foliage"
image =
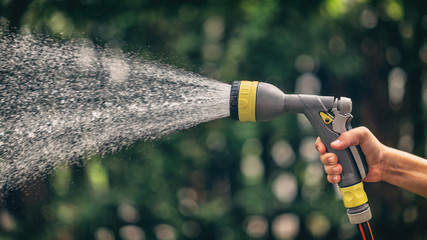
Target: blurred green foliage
[{"x": 224, "y": 179}]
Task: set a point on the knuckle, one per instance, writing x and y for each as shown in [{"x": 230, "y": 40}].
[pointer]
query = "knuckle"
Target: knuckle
[
  {"x": 344, "y": 135},
  {"x": 324, "y": 159},
  {"x": 364, "y": 129},
  {"x": 317, "y": 147},
  {"x": 329, "y": 169},
  {"x": 329, "y": 159}
]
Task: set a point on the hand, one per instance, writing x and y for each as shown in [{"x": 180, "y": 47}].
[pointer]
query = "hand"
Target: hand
[{"x": 372, "y": 148}]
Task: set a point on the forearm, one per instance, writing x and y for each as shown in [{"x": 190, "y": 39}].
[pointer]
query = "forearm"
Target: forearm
[{"x": 406, "y": 171}]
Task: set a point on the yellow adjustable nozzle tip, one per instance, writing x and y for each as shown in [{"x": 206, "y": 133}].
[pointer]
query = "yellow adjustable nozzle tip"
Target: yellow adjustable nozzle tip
[
  {"x": 247, "y": 101},
  {"x": 255, "y": 101}
]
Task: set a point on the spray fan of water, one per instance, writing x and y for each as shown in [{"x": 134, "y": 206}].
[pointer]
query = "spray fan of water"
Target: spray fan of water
[{"x": 60, "y": 101}]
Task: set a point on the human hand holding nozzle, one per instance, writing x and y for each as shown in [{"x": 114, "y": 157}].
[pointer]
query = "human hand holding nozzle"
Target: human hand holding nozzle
[
  {"x": 344, "y": 158},
  {"x": 385, "y": 164},
  {"x": 370, "y": 146}
]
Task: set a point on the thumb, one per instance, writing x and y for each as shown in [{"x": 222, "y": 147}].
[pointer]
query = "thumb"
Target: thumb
[
  {"x": 338, "y": 144},
  {"x": 350, "y": 138}
]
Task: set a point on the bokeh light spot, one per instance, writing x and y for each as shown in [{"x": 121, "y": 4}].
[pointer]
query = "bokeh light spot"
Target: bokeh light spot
[
  {"x": 394, "y": 10},
  {"x": 131, "y": 232},
  {"x": 410, "y": 214},
  {"x": 307, "y": 149},
  {"x": 7, "y": 221},
  {"x": 128, "y": 212},
  {"x": 304, "y": 63},
  {"x": 282, "y": 153},
  {"x": 252, "y": 167},
  {"x": 368, "y": 19},
  {"x": 252, "y": 147},
  {"x": 256, "y": 226},
  {"x": 396, "y": 87},
  {"x": 216, "y": 141},
  {"x": 318, "y": 224},
  {"x": 104, "y": 234},
  {"x": 286, "y": 226},
  {"x": 285, "y": 187},
  {"x": 308, "y": 83},
  {"x": 165, "y": 232}
]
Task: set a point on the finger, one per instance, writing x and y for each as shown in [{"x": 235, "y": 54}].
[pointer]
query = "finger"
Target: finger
[
  {"x": 352, "y": 137},
  {"x": 321, "y": 148},
  {"x": 333, "y": 169},
  {"x": 329, "y": 159},
  {"x": 334, "y": 178}
]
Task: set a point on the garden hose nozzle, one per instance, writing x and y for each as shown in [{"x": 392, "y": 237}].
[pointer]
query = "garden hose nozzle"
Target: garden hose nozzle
[{"x": 330, "y": 117}]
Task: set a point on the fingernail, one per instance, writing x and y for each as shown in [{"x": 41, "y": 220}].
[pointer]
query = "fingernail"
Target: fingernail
[
  {"x": 336, "y": 142},
  {"x": 331, "y": 160},
  {"x": 335, "y": 178}
]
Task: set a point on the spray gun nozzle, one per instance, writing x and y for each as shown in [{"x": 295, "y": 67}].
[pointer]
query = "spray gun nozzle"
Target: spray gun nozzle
[
  {"x": 258, "y": 101},
  {"x": 255, "y": 101}
]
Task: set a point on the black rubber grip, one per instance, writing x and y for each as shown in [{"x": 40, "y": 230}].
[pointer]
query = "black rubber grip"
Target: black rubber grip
[{"x": 234, "y": 100}]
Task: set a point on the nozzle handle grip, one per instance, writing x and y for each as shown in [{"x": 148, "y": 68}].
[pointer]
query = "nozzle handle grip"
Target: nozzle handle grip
[
  {"x": 330, "y": 120},
  {"x": 352, "y": 160},
  {"x": 329, "y": 127}
]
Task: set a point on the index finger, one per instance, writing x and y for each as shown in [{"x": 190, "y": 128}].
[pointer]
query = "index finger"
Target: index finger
[{"x": 321, "y": 148}]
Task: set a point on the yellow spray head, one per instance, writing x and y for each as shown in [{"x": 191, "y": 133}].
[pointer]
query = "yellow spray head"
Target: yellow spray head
[{"x": 255, "y": 101}]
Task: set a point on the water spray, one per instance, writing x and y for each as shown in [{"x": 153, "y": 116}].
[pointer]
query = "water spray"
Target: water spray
[
  {"x": 330, "y": 117},
  {"x": 63, "y": 102}
]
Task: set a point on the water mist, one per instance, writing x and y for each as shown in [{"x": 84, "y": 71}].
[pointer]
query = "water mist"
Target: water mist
[{"x": 60, "y": 101}]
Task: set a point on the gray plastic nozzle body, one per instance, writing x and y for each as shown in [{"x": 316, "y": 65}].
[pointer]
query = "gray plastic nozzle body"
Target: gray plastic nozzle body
[{"x": 269, "y": 102}]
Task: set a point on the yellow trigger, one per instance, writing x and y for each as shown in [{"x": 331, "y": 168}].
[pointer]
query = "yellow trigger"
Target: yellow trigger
[{"x": 327, "y": 118}]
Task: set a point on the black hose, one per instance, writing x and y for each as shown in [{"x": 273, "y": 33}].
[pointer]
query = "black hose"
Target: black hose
[{"x": 366, "y": 231}]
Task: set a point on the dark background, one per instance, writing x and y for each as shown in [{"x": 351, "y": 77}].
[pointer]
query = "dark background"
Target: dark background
[{"x": 225, "y": 179}]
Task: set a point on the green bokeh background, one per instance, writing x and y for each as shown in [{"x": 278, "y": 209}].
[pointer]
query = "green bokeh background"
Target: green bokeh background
[{"x": 225, "y": 179}]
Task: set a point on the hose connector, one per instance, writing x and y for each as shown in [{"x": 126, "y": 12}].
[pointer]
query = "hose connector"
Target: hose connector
[
  {"x": 354, "y": 196},
  {"x": 359, "y": 214},
  {"x": 356, "y": 202}
]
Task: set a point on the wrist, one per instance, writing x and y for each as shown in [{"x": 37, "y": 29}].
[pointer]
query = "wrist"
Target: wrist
[
  {"x": 393, "y": 165},
  {"x": 386, "y": 163}
]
